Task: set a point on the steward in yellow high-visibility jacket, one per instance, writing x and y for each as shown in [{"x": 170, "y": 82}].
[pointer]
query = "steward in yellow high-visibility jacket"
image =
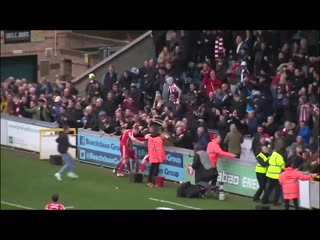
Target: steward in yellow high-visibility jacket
[
  {"x": 261, "y": 169},
  {"x": 276, "y": 166}
]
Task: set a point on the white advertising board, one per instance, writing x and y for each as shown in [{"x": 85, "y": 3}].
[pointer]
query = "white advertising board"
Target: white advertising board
[
  {"x": 4, "y": 134},
  {"x": 25, "y": 136}
]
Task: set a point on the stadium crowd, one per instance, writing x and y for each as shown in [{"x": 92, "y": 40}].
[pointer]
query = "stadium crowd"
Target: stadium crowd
[{"x": 259, "y": 84}]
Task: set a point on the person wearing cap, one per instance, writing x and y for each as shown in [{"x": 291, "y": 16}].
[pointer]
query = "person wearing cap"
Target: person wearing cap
[{"x": 93, "y": 88}]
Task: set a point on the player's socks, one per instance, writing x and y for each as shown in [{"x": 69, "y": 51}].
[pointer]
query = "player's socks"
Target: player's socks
[
  {"x": 128, "y": 167},
  {"x": 143, "y": 167},
  {"x": 136, "y": 167},
  {"x": 121, "y": 168}
]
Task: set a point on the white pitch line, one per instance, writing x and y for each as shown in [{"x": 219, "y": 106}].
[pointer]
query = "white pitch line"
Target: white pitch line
[
  {"x": 16, "y": 205},
  {"x": 24, "y": 207},
  {"x": 181, "y": 205}
]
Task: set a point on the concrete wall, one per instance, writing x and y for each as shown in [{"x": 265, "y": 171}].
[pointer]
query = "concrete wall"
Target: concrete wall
[
  {"x": 132, "y": 55},
  {"x": 65, "y": 41}
]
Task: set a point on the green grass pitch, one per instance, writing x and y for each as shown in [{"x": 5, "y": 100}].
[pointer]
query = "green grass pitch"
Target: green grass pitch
[{"x": 28, "y": 183}]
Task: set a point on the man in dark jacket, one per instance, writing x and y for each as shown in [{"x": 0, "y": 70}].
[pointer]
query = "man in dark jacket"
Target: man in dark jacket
[
  {"x": 202, "y": 165},
  {"x": 63, "y": 146}
]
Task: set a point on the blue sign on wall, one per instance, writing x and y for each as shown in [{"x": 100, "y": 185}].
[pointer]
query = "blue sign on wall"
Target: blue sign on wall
[{"x": 105, "y": 151}]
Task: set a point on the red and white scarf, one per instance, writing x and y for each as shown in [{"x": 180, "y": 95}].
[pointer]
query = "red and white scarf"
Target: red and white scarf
[{"x": 304, "y": 113}]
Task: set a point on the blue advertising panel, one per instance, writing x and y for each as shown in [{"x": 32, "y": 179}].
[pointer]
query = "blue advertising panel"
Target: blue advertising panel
[
  {"x": 171, "y": 169},
  {"x": 105, "y": 151},
  {"x": 94, "y": 149}
]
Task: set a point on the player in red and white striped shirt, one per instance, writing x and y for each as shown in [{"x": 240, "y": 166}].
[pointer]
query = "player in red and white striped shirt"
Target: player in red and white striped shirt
[{"x": 55, "y": 205}]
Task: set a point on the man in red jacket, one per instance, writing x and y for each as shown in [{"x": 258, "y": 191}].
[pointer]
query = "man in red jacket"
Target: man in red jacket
[
  {"x": 210, "y": 83},
  {"x": 290, "y": 185},
  {"x": 214, "y": 150}
]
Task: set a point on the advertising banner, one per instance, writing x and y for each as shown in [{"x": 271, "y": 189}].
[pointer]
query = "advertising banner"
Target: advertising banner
[
  {"x": 4, "y": 134},
  {"x": 237, "y": 178},
  {"x": 105, "y": 151},
  {"x": 25, "y": 136},
  {"x": 171, "y": 169}
]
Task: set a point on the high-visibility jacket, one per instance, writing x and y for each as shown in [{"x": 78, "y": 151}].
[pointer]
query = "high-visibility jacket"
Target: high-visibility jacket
[
  {"x": 214, "y": 150},
  {"x": 276, "y": 165},
  {"x": 259, "y": 168},
  {"x": 289, "y": 180},
  {"x": 156, "y": 150}
]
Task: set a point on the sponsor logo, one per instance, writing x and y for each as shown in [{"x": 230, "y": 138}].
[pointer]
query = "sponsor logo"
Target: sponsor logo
[
  {"x": 229, "y": 178},
  {"x": 82, "y": 140},
  {"x": 82, "y": 154}
]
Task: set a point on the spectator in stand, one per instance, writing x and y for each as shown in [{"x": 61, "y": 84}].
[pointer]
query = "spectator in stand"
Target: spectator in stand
[
  {"x": 44, "y": 87},
  {"x": 110, "y": 105},
  {"x": 93, "y": 88},
  {"x": 203, "y": 137},
  {"x": 269, "y": 126},
  {"x": 158, "y": 102},
  {"x": 170, "y": 88},
  {"x": 40, "y": 112},
  {"x": 164, "y": 56},
  {"x": 221, "y": 69},
  {"x": 131, "y": 105},
  {"x": 252, "y": 123},
  {"x": 256, "y": 139},
  {"x": 135, "y": 94},
  {"x": 233, "y": 141},
  {"x": 125, "y": 81},
  {"x": 296, "y": 157},
  {"x": 309, "y": 164},
  {"x": 108, "y": 79},
  {"x": 305, "y": 132},
  {"x": 210, "y": 84},
  {"x": 90, "y": 119}
]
